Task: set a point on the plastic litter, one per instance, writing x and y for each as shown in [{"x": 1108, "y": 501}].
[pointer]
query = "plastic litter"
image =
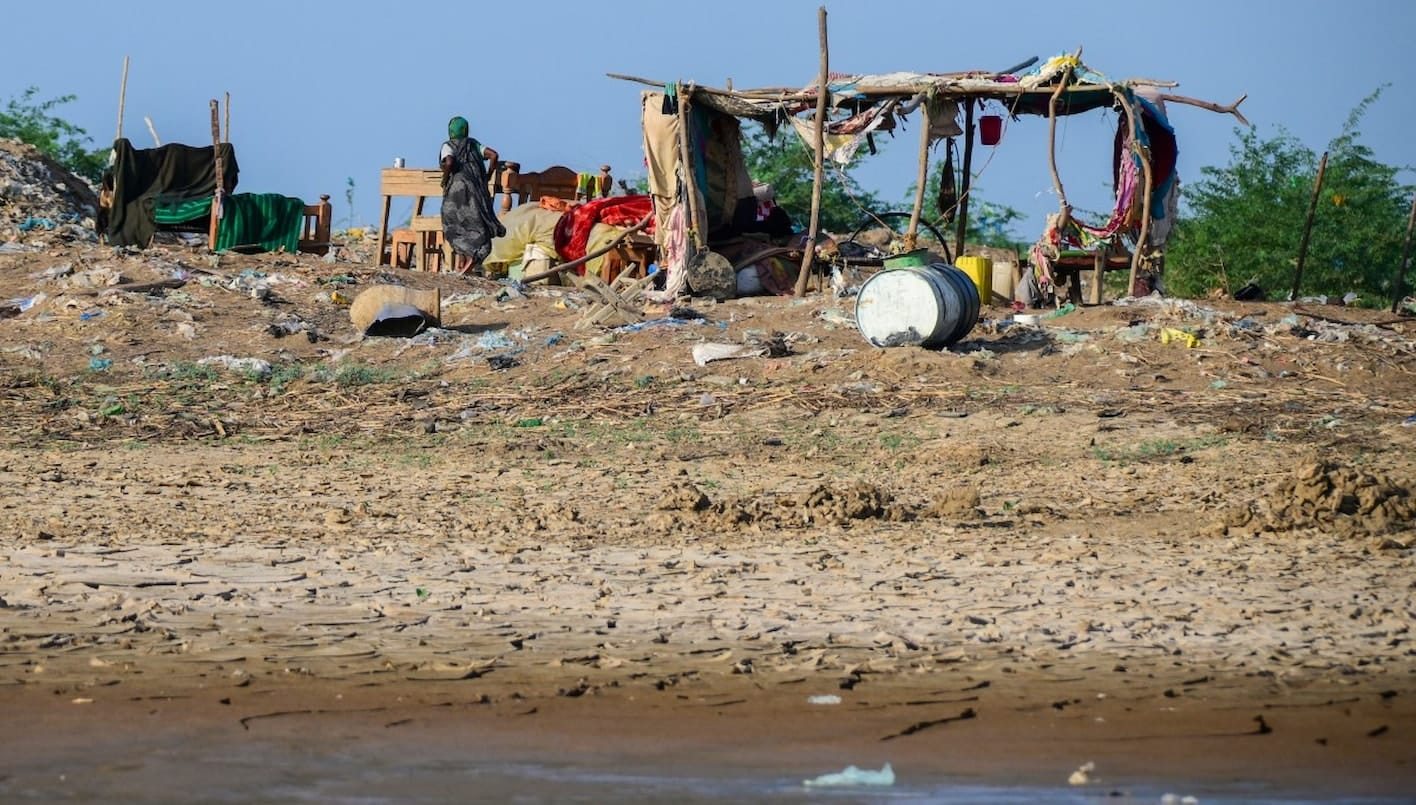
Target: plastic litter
[
  {"x": 1409, "y": 422},
  {"x": 829, "y": 698},
  {"x": 852, "y": 776},
  {"x": 494, "y": 339},
  {"x": 100, "y": 364},
  {"x": 1170, "y": 334},
  {"x": 704, "y": 354},
  {"x": 1176, "y": 799},
  {"x": 249, "y": 366},
  {"x": 1082, "y": 775}
]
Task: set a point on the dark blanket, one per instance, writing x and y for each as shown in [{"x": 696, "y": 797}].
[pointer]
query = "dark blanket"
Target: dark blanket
[{"x": 142, "y": 176}]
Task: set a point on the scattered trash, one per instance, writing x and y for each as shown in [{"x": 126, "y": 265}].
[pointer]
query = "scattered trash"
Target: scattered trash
[
  {"x": 1409, "y": 421},
  {"x": 90, "y": 314},
  {"x": 255, "y": 367},
  {"x": 1170, "y": 334},
  {"x": 1176, "y": 799},
  {"x": 33, "y": 223},
  {"x": 1061, "y": 311},
  {"x": 100, "y": 364},
  {"x": 831, "y": 315},
  {"x": 494, "y": 339},
  {"x": 704, "y": 354},
  {"x": 853, "y": 776},
  {"x": 552, "y": 340},
  {"x": 826, "y": 699},
  {"x": 337, "y": 298},
  {"x": 393, "y": 310},
  {"x": 1082, "y": 775},
  {"x": 1251, "y": 292},
  {"x": 113, "y": 410},
  {"x": 500, "y": 362}
]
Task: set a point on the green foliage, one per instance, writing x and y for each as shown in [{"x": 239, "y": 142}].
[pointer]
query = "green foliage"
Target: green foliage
[
  {"x": 31, "y": 121},
  {"x": 787, "y": 165},
  {"x": 1243, "y": 222}
]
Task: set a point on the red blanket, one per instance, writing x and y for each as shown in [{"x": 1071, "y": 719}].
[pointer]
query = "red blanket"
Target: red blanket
[{"x": 573, "y": 230}]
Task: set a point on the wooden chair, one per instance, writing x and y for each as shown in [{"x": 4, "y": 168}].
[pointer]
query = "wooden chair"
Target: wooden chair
[{"x": 428, "y": 229}]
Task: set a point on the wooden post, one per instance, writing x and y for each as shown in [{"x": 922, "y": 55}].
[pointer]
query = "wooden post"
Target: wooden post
[
  {"x": 962, "y": 225},
  {"x": 227, "y": 112},
  {"x": 122, "y": 98},
  {"x": 1308, "y": 228},
  {"x": 690, "y": 176},
  {"x": 921, "y": 179},
  {"x": 153, "y": 131},
  {"x": 1399, "y": 293},
  {"x": 220, "y": 176},
  {"x": 822, "y": 93}
]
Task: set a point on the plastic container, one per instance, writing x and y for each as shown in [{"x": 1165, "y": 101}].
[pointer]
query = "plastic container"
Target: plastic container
[
  {"x": 917, "y": 257},
  {"x": 980, "y": 270},
  {"x": 990, "y": 129},
  {"x": 930, "y": 306}
]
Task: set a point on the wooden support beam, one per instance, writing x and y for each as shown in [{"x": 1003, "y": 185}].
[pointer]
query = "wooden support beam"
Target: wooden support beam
[
  {"x": 819, "y": 134},
  {"x": 122, "y": 98},
  {"x": 921, "y": 178},
  {"x": 1308, "y": 228},
  {"x": 962, "y": 224},
  {"x": 1231, "y": 109},
  {"x": 606, "y": 249}
]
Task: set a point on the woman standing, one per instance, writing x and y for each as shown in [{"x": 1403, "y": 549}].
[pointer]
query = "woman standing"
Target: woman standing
[{"x": 469, "y": 223}]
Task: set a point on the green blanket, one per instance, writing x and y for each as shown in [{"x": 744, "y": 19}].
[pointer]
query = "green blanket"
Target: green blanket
[{"x": 269, "y": 221}]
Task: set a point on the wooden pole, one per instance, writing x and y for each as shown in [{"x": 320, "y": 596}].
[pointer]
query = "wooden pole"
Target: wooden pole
[
  {"x": 921, "y": 179},
  {"x": 690, "y": 177},
  {"x": 1308, "y": 228},
  {"x": 1401, "y": 268},
  {"x": 226, "y": 138},
  {"x": 962, "y": 225},
  {"x": 153, "y": 131},
  {"x": 122, "y": 99},
  {"x": 220, "y": 175},
  {"x": 819, "y": 134}
]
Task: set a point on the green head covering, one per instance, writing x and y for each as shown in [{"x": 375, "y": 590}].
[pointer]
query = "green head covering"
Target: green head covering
[{"x": 457, "y": 127}]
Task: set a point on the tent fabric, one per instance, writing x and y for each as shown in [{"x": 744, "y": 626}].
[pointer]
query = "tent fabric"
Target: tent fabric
[
  {"x": 526, "y": 225},
  {"x": 171, "y": 174},
  {"x": 269, "y": 221},
  {"x": 661, "y": 158}
]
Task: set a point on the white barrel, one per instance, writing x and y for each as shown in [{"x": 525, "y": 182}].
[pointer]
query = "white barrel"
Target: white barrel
[{"x": 932, "y": 306}]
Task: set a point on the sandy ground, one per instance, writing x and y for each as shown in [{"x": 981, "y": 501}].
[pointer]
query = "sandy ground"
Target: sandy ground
[{"x": 1038, "y": 549}]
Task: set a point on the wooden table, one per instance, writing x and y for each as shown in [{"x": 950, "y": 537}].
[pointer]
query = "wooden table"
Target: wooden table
[{"x": 420, "y": 183}]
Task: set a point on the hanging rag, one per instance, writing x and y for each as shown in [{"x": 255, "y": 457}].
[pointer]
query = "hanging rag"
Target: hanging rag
[{"x": 948, "y": 201}]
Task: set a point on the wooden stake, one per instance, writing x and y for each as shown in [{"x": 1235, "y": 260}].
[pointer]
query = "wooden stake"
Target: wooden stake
[
  {"x": 822, "y": 93},
  {"x": 1308, "y": 228},
  {"x": 962, "y": 225},
  {"x": 1401, "y": 268},
  {"x": 220, "y": 175},
  {"x": 226, "y": 138},
  {"x": 122, "y": 98},
  {"x": 690, "y": 176},
  {"x": 153, "y": 131},
  {"x": 921, "y": 178}
]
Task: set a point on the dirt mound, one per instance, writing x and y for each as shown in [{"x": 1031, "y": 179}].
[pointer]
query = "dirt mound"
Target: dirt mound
[
  {"x": 823, "y": 504},
  {"x": 1334, "y": 499},
  {"x": 39, "y": 195}
]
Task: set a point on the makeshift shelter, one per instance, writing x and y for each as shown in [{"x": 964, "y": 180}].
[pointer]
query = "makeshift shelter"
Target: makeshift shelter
[
  {"x": 173, "y": 188},
  {"x": 690, "y": 133}
]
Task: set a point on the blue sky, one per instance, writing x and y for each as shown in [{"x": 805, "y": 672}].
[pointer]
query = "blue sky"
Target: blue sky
[{"x": 323, "y": 91}]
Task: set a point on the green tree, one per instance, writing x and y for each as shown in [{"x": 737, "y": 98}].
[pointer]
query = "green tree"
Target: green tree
[
  {"x": 32, "y": 121},
  {"x": 787, "y": 165},
  {"x": 1243, "y": 222}
]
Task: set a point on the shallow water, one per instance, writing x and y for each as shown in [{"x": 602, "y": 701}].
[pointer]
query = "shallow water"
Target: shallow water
[{"x": 363, "y": 774}]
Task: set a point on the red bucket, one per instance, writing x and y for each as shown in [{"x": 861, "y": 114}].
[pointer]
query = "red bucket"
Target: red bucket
[{"x": 990, "y": 129}]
